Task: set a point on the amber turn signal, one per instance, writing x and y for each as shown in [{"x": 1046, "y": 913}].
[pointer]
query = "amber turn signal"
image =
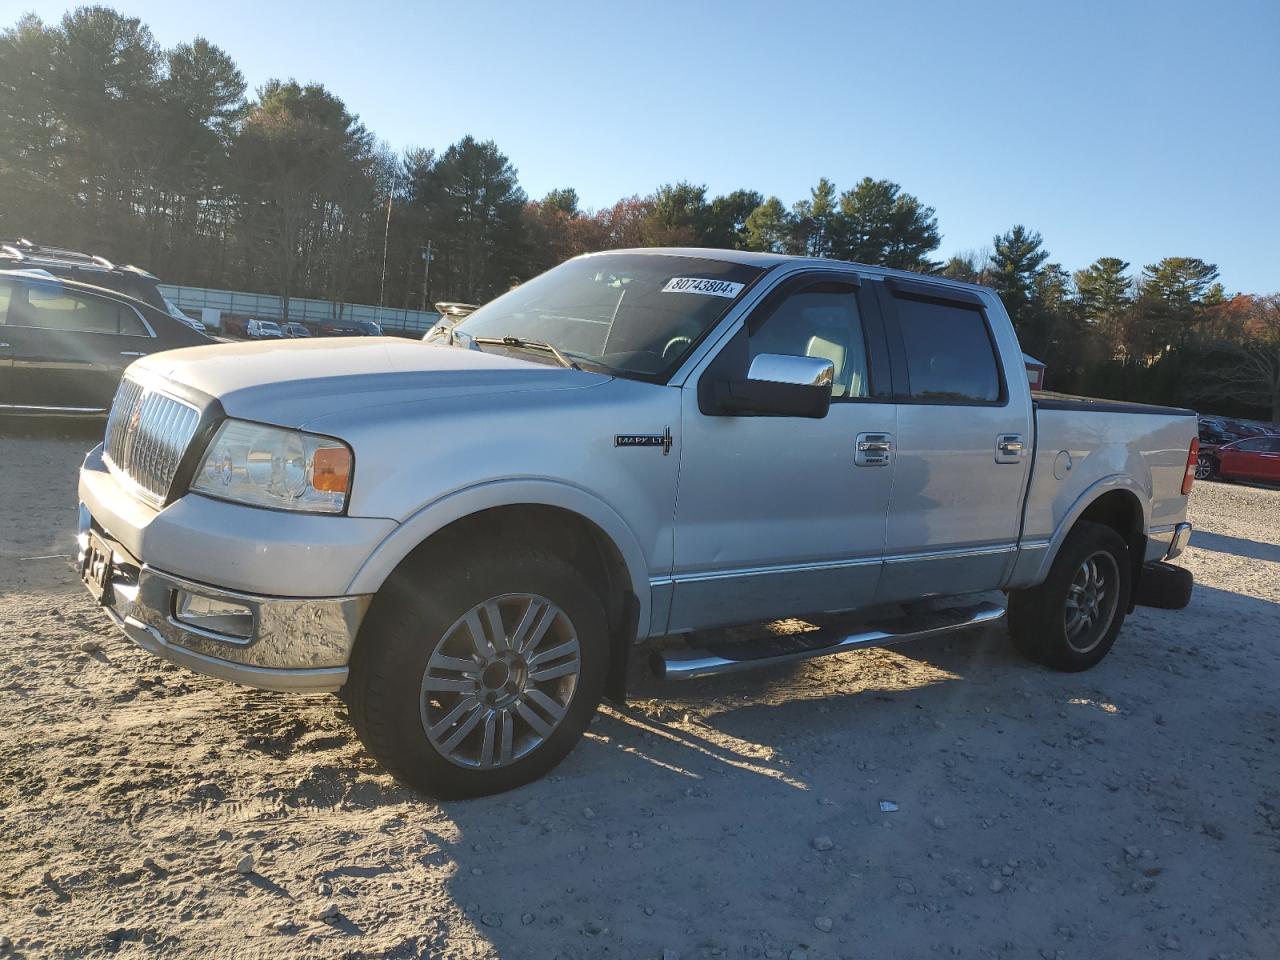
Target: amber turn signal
[{"x": 331, "y": 469}]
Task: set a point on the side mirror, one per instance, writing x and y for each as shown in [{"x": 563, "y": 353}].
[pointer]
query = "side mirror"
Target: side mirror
[{"x": 779, "y": 386}]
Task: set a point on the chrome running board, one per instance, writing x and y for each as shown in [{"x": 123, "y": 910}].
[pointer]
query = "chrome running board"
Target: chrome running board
[{"x": 710, "y": 659}]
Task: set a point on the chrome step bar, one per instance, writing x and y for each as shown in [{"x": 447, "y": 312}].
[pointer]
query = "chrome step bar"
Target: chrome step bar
[{"x": 732, "y": 657}]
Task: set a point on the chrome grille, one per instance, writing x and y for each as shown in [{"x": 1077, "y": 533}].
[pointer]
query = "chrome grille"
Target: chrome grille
[{"x": 147, "y": 434}]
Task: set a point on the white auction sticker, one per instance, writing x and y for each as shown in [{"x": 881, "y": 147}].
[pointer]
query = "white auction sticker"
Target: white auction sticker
[{"x": 713, "y": 288}]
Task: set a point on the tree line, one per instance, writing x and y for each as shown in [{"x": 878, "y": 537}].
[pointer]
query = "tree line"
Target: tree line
[{"x": 161, "y": 157}]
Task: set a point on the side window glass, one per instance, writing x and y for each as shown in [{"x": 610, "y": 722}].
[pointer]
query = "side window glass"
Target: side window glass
[
  {"x": 819, "y": 321},
  {"x": 50, "y": 308},
  {"x": 950, "y": 356},
  {"x": 130, "y": 325},
  {"x": 1256, "y": 445}
]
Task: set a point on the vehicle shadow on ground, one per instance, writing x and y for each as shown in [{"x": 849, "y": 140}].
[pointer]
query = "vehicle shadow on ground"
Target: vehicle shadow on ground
[
  {"x": 89, "y": 429},
  {"x": 1236, "y": 546},
  {"x": 792, "y": 752}
]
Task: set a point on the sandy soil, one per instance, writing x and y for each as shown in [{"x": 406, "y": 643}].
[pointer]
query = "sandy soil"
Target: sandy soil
[{"x": 1133, "y": 811}]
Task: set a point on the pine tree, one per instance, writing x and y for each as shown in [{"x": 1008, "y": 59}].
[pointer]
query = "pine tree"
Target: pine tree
[{"x": 1018, "y": 257}]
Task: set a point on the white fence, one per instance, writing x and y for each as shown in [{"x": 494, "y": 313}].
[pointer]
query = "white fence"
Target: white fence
[{"x": 263, "y": 306}]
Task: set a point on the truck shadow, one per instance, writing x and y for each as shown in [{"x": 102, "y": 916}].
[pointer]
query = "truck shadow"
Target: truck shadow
[
  {"x": 1235, "y": 546},
  {"x": 722, "y": 775}
]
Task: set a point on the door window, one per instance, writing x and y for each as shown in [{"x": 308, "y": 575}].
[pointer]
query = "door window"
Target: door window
[
  {"x": 1256, "y": 445},
  {"x": 50, "y": 307},
  {"x": 950, "y": 356},
  {"x": 820, "y": 320}
]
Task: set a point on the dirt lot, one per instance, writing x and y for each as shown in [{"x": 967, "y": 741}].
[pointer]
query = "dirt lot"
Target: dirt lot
[{"x": 1133, "y": 811}]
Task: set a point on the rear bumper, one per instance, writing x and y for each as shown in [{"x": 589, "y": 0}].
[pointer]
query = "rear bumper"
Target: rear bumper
[
  {"x": 294, "y": 645},
  {"x": 1166, "y": 543}
]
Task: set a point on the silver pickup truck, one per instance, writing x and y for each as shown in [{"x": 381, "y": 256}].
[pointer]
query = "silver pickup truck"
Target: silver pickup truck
[{"x": 465, "y": 539}]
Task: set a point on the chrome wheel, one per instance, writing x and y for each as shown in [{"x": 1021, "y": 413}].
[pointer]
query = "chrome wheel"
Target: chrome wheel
[
  {"x": 1204, "y": 467},
  {"x": 1091, "y": 601},
  {"x": 500, "y": 680}
]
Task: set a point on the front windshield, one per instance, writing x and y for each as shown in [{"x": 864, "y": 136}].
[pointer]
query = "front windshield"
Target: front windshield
[{"x": 636, "y": 314}]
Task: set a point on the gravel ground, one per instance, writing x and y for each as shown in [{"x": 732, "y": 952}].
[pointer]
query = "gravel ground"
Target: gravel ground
[{"x": 1133, "y": 811}]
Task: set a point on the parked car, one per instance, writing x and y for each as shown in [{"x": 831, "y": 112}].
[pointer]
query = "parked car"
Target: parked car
[
  {"x": 466, "y": 541},
  {"x": 294, "y": 330},
  {"x": 64, "y": 344},
  {"x": 350, "y": 328},
  {"x": 263, "y": 330},
  {"x": 1254, "y": 458},
  {"x": 177, "y": 314}
]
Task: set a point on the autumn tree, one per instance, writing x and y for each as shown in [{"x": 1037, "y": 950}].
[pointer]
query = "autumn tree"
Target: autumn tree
[{"x": 1248, "y": 371}]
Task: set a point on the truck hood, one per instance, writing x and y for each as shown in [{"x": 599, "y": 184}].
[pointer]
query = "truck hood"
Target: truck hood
[{"x": 292, "y": 382}]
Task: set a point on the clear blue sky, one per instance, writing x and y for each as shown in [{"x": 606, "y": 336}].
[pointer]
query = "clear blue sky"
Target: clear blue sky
[{"x": 1135, "y": 130}]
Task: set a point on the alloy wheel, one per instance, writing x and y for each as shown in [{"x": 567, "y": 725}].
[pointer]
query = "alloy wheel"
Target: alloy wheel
[
  {"x": 500, "y": 681},
  {"x": 1091, "y": 601}
]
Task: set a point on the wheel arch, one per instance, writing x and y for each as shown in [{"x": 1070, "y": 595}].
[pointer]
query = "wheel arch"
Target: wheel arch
[
  {"x": 580, "y": 526},
  {"x": 1117, "y": 502}
]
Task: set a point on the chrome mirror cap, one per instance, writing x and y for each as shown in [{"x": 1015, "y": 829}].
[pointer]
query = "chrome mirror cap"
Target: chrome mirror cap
[{"x": 800, "y": 371}]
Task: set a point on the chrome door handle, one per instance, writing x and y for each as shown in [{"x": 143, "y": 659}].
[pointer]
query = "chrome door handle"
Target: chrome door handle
[
  {"x": 1010, "y": 448},
  {"x": 873, "y": 449},
  {"x": 132, "y": 353}
]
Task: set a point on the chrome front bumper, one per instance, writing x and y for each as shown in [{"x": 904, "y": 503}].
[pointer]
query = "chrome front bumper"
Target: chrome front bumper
[{"x": 295, "y": 644}]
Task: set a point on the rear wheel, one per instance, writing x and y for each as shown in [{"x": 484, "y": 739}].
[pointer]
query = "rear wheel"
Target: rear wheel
[
  {"x": 1206, "y": 467},
  {"x": 478, "y": 676},
  {"x": 1070, "y": 621}
]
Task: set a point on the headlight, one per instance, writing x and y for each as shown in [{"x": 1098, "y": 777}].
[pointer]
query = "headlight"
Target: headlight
[{"x": 273, "y": 467}]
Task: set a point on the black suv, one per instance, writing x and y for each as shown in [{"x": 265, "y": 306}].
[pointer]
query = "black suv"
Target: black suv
[
  {"x": 70, "y": 265},
  {"x": 64, "y": 343}
]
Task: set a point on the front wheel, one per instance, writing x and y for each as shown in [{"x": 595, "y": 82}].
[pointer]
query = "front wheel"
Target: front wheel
[
  {"x": 1070, "y": 621},
  {"x": 1206, "y": 467},
  {"x": 480, "y": 675}
]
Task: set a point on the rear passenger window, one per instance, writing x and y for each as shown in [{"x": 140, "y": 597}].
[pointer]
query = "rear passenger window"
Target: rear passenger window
[
  {"x": 950, "y": 357},
  {"x": 130, "y": 325}
]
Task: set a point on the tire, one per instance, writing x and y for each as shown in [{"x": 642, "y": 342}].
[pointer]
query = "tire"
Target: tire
[
  {"x": 1039, "y": 618},
  {"x": 1164, "y": 586},
  {"x": 1206, "y": 467},
  {"x": 411, "y": 691}
]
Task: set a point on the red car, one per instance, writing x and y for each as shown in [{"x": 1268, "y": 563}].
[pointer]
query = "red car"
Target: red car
[{"x": 1256, "y": 458}]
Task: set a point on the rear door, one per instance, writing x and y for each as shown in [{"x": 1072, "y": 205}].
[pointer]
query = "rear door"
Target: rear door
[{"x": 962, "y": 444}]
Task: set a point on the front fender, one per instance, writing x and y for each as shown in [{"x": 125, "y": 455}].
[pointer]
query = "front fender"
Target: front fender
[{"x": 438, "y": 514}]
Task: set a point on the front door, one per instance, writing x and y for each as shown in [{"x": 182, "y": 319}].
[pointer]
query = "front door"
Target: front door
[
  {"x": 68, "y": 347},
  {"x": 963, "y": 445},
  {"x": 774, "y": 517}
]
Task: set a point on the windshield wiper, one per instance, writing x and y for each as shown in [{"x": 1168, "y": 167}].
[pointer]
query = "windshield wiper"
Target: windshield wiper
[{"x": 527, "y": 344}]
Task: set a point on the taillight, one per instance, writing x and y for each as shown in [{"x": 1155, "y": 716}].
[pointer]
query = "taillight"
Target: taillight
[{"x": 1193, "y": 454}]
